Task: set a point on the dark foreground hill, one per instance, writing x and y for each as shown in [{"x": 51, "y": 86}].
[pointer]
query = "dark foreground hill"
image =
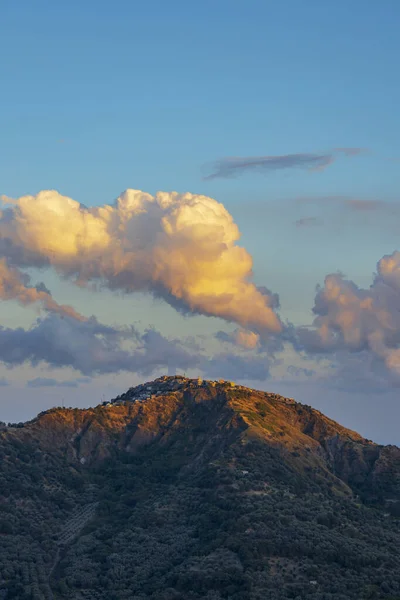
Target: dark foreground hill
[{"x": 196, "y": 490}]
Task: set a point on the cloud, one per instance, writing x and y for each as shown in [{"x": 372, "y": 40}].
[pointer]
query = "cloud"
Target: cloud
[
  {"x": 4, "y": 382},
  {"x": 233, "y": 366},
  {"x": 15, "y": 285},
  {"x": 91, "y": 348},
  {"x": 365, "y": 211},
  {"x": 350, "y": 319},
  {"x": 232, "y": 166},
  {"x": 357, "y": 204},
  {"x": 240, "y": 337},
  {"x": 360, "y": 372},
  {"x": 49, "y": 382},
  {"x": 6, "y": 199},
  {"x": 351, "y": 151},
  {"x": 308, "y": 222},
  {"x": 352, "y": 204},
  {"x": 179, "y": 247},
  {"x": 87, "y": 346},
  {"x": 296, "y": 372},
  {"x": 155, "y": 351}
]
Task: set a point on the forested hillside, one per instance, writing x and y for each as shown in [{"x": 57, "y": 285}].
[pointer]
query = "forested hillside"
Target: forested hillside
[{"x": 182, "y": 489}]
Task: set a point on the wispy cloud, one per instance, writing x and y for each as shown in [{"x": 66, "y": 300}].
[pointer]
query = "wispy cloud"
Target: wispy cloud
[
  {"x": 360, "y": 208},
  {"x": 308, "y": 222},
  {"x": 356, "y": 204},
  {"x": 15, "y": 285},
  {"x": 310, "y": 161},
  {"x": 350, "y": 151},
  {"x": 351, "y": 203}
]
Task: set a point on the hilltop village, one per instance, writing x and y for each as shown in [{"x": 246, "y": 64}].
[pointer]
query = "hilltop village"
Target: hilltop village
[
  {"x": 165, "y": 385},
  {"x": 168, "y": 384}
]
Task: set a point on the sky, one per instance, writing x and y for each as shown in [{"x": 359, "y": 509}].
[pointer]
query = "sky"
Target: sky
[{"x": 209, "y": 188}]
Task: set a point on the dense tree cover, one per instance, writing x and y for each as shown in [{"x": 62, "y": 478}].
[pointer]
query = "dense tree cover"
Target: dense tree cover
[
  {"x": 244, "y": 527},
  {"x": 203, "y": 514}
]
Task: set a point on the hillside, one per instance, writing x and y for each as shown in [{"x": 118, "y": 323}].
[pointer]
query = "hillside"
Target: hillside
[{"x": 182, "y": 489}]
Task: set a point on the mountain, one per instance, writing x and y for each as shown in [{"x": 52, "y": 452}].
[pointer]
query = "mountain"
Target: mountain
[{"x": 186, "y": 489}]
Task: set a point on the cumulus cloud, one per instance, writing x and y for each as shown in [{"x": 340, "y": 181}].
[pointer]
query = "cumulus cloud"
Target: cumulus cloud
[
  {"x": 232, "y": 166},
  {"x": 6, "y": 199},
  {"x": 180, "y": 247},
  {"x": 15, "y": 285},
  {"x": 356, "y": 320}
]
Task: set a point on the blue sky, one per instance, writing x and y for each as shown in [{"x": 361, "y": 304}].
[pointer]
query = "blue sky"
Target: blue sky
[{"x": 98, "y": 97}]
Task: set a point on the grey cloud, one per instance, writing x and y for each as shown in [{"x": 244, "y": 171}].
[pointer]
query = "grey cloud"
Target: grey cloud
[
  {"x": 351, "y": 151},
  {"x": 41, "y": 287},
  {"x": 49, "y": 382},
  {"x": 87, "y": 346},
  {"x": 357, "y": 206},
  {"x": 362, "y": 372},
  {"x": 308, "y": 222},
  {"x": 225, "y": 337},
  {"x": 157, "y": 351},
  {"x": 4, "y": 382},
  {"x": 352, "y": 204},
  {"x": 231, "y": 166},
  {"x": 271, "y": 298},
  {"x": 233, "y": 366},
  {"x": 300, "y": 371},
  {"x": 91, "y": 348},
  {"x": 271, "y": 345}
]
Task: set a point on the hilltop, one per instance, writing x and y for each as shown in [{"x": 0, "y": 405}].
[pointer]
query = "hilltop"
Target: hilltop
[{"x": 183, "y": 488}]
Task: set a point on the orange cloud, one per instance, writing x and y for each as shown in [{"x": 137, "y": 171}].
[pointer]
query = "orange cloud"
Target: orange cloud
[
  {"x": 181, "y": 247},
  {"x": 14, "y": 286}
]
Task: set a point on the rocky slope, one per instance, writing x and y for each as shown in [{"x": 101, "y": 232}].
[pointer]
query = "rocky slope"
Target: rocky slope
[{"x": 222, "y": 491}]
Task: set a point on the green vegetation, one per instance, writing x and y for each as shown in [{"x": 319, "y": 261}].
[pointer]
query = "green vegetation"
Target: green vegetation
[{"x": 200, "y": 511}]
